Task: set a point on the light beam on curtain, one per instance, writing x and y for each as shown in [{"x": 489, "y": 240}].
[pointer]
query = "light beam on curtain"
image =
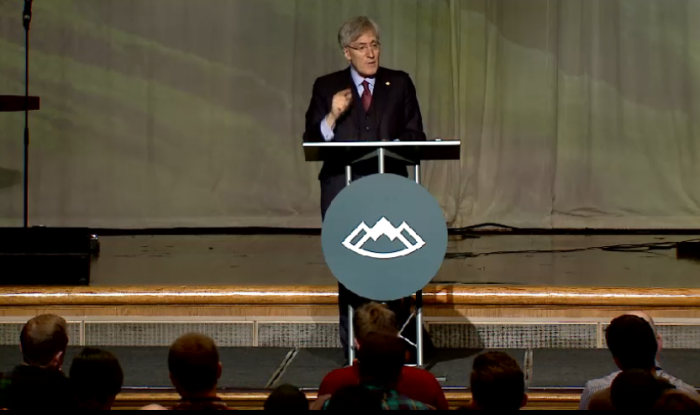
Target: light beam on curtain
[{"x": 169, "y": 113}]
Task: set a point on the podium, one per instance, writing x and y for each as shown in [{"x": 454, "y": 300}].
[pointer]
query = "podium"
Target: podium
[{"x": 410, "y": 152}]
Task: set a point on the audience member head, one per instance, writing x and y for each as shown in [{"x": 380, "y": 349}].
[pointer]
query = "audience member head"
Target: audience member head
[
  {"x": 373, "y": 318},
  {"x": 153, "y": 407},
  {"x": 355, "y": 399},
  {"x": 44, "y": 340},
  {"x": 632, "y": 342},
  {"x": 194, "y": 366},
  {"x": 382, "y": 358},
  {"x": 637, "y": 390},
  {"x": 497, "y": 383},
  {"x": 97, "y": 378},
  {"x": 674, "y": 400},
  {"x": 287, "y": 398},
  {"x": 646, "y": 317}
]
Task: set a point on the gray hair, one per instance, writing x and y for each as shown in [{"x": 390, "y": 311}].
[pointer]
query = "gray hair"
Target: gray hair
[{"x": 352, "y": 29}]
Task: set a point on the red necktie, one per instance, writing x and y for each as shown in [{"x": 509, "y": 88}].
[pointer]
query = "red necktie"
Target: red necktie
[{"x": 366, "y": 96}]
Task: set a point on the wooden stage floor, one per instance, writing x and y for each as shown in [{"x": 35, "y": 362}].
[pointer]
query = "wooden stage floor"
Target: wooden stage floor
[{"x": 297, "y": 260}]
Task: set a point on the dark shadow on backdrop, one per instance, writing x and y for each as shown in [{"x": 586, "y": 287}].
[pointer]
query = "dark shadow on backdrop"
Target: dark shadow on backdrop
[{"x": 9, "y": 178}]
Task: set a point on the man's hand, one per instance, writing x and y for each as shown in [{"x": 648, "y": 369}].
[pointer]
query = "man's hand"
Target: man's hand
[{"x": 341, "y": 103}]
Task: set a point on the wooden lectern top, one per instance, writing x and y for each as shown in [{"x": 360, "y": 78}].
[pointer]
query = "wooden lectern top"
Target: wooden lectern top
[{"x": 15, "y": 103}]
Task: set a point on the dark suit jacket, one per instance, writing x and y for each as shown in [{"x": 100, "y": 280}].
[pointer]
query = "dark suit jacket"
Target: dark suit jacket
[
  {"x": 397, "y": 113},
  {"x": 37, "y": 389}
]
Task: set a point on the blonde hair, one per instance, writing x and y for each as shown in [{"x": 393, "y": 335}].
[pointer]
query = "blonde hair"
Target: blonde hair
[{"x": 374, "y": 318}]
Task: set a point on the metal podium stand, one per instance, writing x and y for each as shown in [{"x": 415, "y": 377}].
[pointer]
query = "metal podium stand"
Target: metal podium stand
[{"x": 410, "y": 152}]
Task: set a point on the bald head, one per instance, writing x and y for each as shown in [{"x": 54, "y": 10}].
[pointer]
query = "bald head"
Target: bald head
[
  {"x": 44, "y": 340},
  {"x": 646, "y": 317}
]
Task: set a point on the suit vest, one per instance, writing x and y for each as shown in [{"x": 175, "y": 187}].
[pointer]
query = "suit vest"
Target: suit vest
[{"x": 366, "y": 121}]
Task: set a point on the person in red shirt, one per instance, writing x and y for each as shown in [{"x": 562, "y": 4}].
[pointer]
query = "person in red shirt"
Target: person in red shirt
[{"x": 416, "y": 384}]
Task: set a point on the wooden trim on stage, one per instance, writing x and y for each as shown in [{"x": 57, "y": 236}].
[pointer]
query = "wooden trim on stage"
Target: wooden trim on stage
[
  {"x": 435, "y": 295},
  {"x": 562, "y": 296},
  {"x": 255, "y": 400},
  {"x": 101, "y": 296},
  {"x": 329, "y": 313}
]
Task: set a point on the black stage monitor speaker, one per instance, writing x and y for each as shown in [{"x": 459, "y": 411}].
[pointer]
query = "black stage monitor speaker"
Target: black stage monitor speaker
[
  {"x": 689, "y": 250},
  {"x": 45, "y": 256}
]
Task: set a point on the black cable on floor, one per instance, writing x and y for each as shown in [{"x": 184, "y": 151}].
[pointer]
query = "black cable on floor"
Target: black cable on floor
[
  {"x": 272, "y": 382},
  {"x": 647, "y": 247}
]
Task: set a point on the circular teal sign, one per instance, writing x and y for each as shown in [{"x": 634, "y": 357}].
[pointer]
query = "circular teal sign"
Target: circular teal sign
[{"x": 384, "y": 237}]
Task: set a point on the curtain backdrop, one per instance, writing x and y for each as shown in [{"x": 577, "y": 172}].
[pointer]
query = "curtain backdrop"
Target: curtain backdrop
[{"x": 169, "y": 113}]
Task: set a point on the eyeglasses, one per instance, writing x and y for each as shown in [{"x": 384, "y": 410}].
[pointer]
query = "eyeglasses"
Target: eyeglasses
[{"x": 364, "y": 48}]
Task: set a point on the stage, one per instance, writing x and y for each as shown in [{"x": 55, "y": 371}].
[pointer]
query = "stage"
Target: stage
[
  {"x": 297, "y": 260},
  {"x": 270, "y": 298},
  {"x": 494, "y": 290}
]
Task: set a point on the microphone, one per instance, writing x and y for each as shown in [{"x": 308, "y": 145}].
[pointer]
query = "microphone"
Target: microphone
[{"x": 27, "y": 14}]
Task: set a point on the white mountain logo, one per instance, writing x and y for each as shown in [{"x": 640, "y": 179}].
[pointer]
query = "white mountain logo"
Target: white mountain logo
[{"x": 383, "y": 228}]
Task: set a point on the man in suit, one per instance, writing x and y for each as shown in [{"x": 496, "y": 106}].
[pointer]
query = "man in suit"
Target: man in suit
[{"x": 364, "y": 102}]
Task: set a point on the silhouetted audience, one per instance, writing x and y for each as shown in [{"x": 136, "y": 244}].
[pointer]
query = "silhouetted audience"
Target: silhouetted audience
[
  {"x": 632, "y": 390},
  {"x": 287, "y": 398},
  {"x": 97, "y": 378},
  {"x": 673, "y": 400},
  {"x": 39, "y": 384},
  {"x": 635, "y": 345},
  {"x": 378, "y": 380},
  {"x": 381, "y": 361},
  {"x": 354, "y": 399},
  {"x": 497, "y": 383},
  {"x": 417, "y": 384},
  {"x": 195, "y": 370}
]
